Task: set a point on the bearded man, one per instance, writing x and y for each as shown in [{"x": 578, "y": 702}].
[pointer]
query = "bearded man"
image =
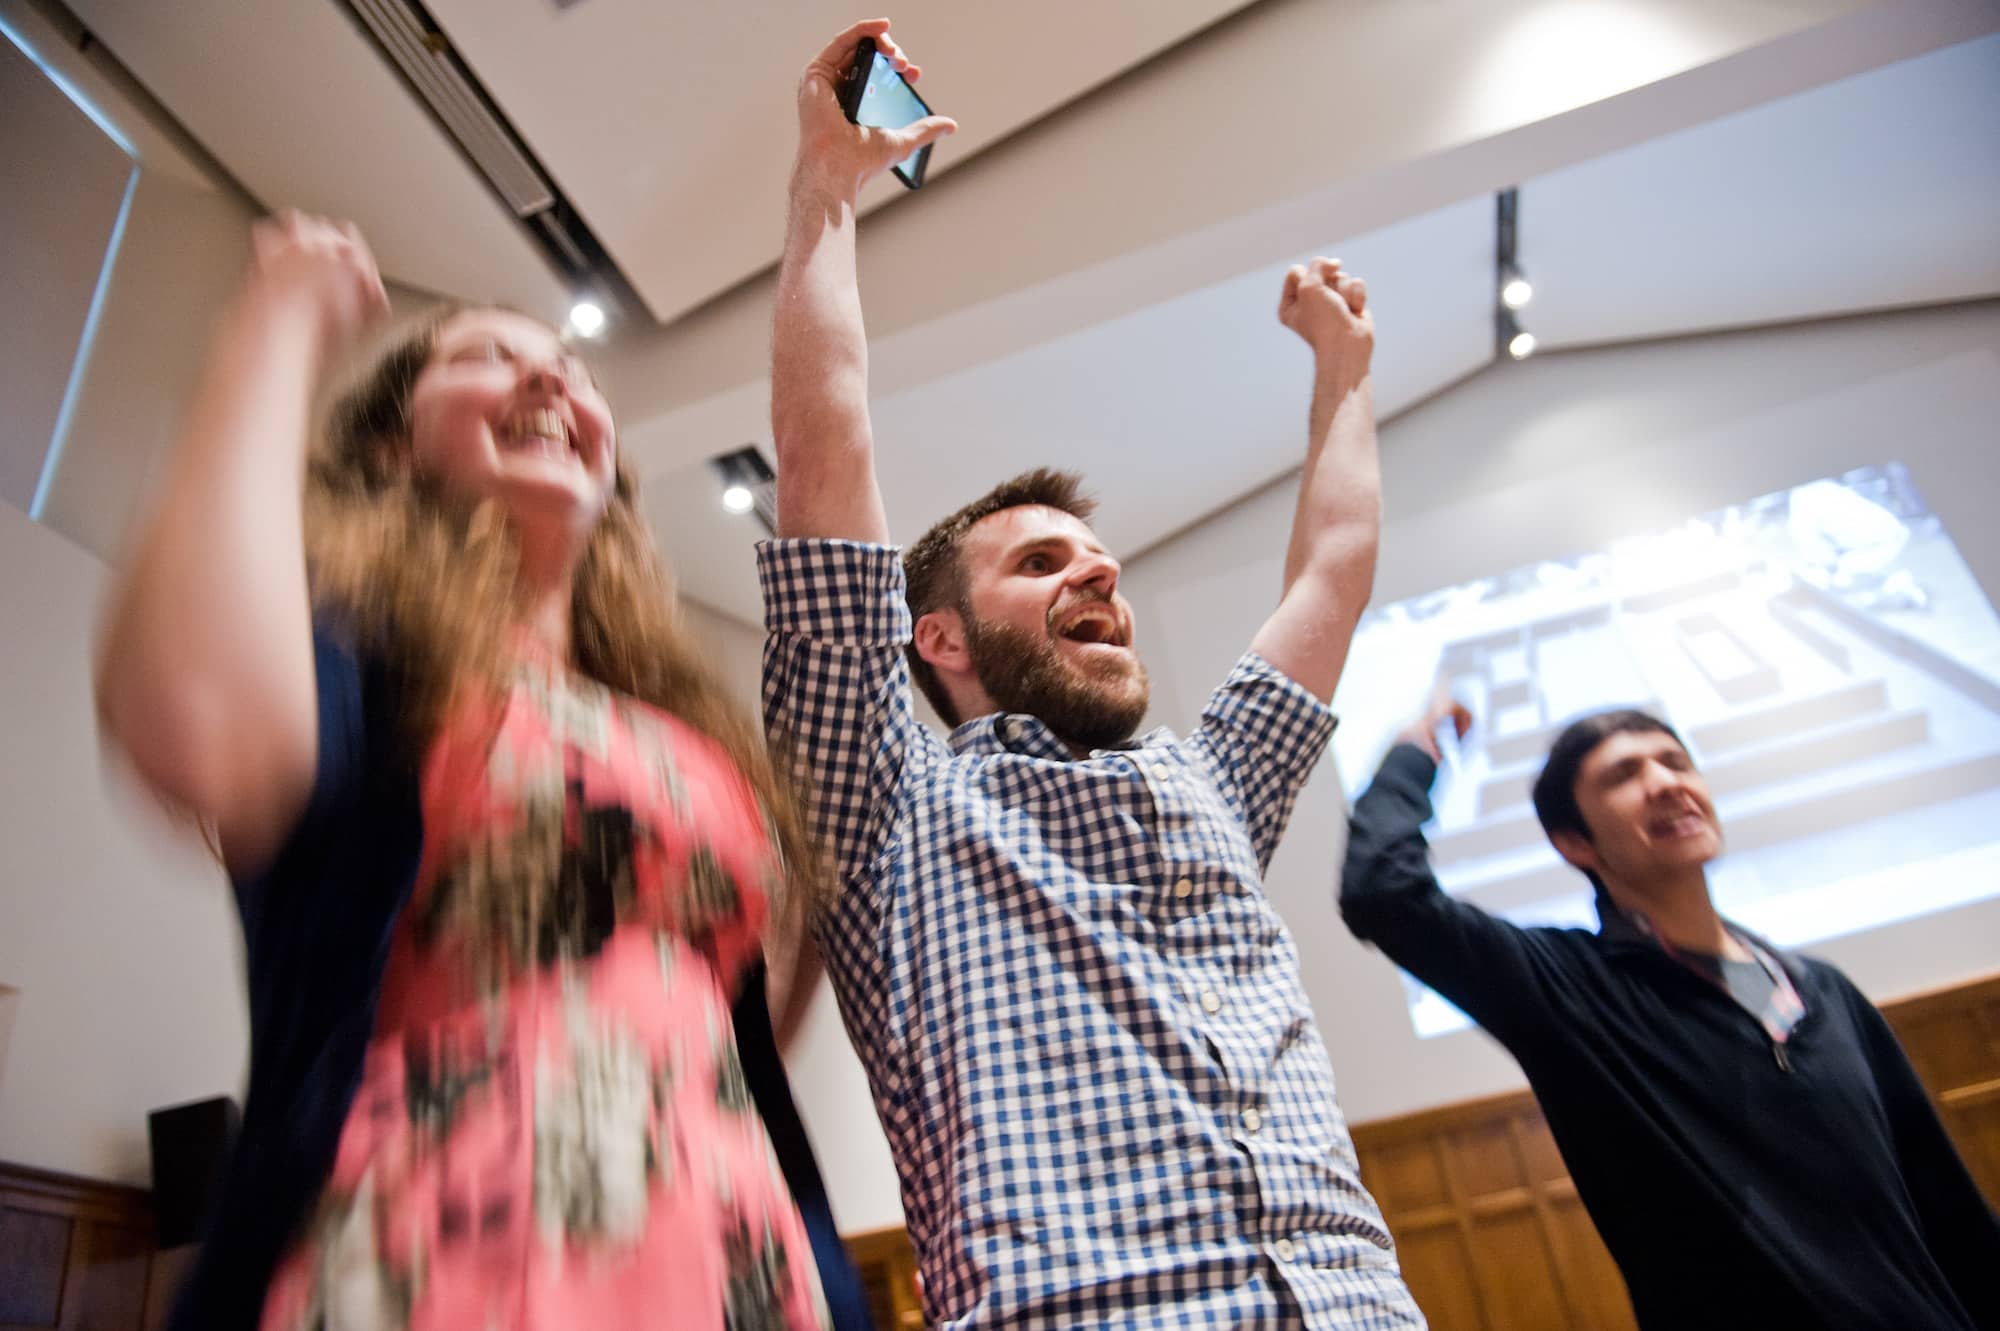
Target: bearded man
[{"x": 1081, "y": 1019}]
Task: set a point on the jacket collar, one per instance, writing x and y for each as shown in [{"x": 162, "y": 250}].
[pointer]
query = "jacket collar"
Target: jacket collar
[{"x": 1623, "y": 929}]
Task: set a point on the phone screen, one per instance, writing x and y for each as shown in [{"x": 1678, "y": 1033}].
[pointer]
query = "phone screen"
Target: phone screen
[{"x": 889, "y": 103}]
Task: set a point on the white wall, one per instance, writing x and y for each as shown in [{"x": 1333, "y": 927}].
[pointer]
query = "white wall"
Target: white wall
[
  {"x": 1555, "y": 456},
  {"x": 117, "y": 929}
]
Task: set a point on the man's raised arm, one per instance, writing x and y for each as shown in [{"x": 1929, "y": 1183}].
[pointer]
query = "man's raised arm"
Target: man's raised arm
[
  {"x": 819, "y": 349},
  {"x": 1330, "y": 564}
]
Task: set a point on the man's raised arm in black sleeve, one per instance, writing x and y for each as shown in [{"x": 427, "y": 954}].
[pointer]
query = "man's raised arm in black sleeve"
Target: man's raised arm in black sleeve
[{"x": 1390, "y": 898}]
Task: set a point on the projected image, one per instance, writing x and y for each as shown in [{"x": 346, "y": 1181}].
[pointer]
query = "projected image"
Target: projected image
[{"x": 1825, "y": 653}]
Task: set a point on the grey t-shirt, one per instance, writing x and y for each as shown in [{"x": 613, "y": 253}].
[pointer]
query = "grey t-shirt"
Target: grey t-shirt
[{"x": 1749, "y": 983}]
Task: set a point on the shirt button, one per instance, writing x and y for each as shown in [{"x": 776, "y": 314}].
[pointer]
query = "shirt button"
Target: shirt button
[
  {"x": 1283, "y": 1250},
  {"x": 1183, "y": 890},
  {"x": 1211, "y": 1002},
  {"x": 1163, "y": 771},
  {"x": 1252, "y": 1120}
]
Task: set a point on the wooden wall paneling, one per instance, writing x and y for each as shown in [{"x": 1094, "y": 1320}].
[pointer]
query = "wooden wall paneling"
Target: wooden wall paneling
[
  {"x": 34, "y": 1255},
  {"x": 75, "y": 1255},
  {"x": 1434, "y": 1240},
  {"x": 1525, "y": 1257},
  {"x": 1593, "y": 1291},
  {"x": 1435, "y": 1261},
  {"x": 1591, "y": 1282},
  {"x": 108, "y": 1288},
  {"x": 1511, "y": 1268},
  {"x": 888, "y": 1267},
  {"x": 1953, "y": 1039}
]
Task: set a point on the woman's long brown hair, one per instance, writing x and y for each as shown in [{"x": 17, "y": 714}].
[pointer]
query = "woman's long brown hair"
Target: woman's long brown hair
[{"x": 426, "y": 584}]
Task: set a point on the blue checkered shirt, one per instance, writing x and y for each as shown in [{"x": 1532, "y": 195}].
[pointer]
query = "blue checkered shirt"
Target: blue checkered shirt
[{"x": 1081, "y": 1019}]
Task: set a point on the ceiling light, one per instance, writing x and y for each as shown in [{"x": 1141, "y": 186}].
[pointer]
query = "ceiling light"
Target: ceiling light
[
  {"x": 587, "y": 318},
  {"x": 749, "y": 488},
  {"x": 1513, "y": 287},
  {"x": 1509, "y": 337}
]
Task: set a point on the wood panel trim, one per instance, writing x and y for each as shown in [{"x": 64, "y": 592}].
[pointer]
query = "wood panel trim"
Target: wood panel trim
[
  {"x": 888, "y": 1267},
  {"x": 1424, "y": 1123},
  {"x": 103, "y": 1278},
  {"x": 32, "y": 1189},
  {"x": 872, "y": 1245},
  {"x": 1941, "y": 1000}
]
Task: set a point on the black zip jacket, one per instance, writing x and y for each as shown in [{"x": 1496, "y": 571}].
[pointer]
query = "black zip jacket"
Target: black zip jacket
[{"x": 1737, "y": 1184}]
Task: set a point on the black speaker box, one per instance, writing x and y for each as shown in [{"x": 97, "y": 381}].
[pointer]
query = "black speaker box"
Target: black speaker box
[{"x": 191, "y": 1145}]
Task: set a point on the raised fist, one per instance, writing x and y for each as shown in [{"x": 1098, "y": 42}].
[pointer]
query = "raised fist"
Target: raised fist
[
  {"x": 1328, "y": 308},
  {"x": 321, "y": 269}
]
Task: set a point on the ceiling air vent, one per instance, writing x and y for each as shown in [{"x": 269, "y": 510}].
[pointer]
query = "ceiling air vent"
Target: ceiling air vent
[
  {"x": 431, "y": 66},
  {"x": 416, "y": 46}
]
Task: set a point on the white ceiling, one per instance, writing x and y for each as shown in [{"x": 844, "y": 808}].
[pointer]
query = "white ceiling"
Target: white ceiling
[
  {"x": 697, "y": 135},
  {"x": 1876, "y": 191},
  {"x": 1172, "y": 412},
  {"x": 297, "y": 104},
  {"x": 659, "y": 122},
  {"x": 1873, "y": 192}
]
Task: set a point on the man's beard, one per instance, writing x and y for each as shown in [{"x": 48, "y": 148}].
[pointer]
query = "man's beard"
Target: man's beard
[{"x": 1023, "y": 672}]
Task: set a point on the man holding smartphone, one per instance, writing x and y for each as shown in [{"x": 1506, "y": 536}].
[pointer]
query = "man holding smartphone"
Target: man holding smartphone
[{"x": 1081, "y": 1019}]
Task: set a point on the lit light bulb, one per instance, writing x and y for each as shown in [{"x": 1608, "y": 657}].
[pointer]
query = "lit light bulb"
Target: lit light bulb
[
  {"x": 1516, "y": 293},
  {"x": 587, "y": 318},
  {"x": 738, "y": 499},
  {"x": 1521, "y": 346}
]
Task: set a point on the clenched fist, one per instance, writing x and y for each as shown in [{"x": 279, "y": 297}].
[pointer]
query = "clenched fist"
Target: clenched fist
[
  {"x": 322, "y": 271},
  {"x": 1328, "y": 308}
]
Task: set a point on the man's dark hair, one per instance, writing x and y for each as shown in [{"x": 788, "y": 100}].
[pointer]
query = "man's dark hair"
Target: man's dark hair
[
  {"x": 1555, "y": 788},
  {"x": 935, "y": 567}
]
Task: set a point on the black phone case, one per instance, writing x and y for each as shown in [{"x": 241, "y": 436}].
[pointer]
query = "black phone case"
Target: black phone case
[{"x": 854, "y": 83}]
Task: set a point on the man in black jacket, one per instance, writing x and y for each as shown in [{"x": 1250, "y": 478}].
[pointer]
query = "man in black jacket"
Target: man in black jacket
[{"x": 1741, "y": 1123}]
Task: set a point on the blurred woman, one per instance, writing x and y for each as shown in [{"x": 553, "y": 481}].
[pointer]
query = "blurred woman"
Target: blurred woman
[{"x": 502, "y": 850}]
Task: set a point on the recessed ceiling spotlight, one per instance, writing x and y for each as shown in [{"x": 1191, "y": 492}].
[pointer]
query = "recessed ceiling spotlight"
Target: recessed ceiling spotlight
[
  {"x": 586, "y": 318},
  {"x": 749, "y": 488}
]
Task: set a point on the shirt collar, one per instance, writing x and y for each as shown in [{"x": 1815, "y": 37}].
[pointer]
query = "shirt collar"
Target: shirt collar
[
  {"x": 1028, "y": 736},
  {"x": 1782, "y": 1009}
]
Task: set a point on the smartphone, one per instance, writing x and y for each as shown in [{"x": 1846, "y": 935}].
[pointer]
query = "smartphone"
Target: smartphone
[{"x": 874, "y": 94}]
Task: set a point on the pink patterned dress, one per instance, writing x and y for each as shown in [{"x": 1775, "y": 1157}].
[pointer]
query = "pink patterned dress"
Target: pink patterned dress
[{"x": 552, "y": 1128}]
